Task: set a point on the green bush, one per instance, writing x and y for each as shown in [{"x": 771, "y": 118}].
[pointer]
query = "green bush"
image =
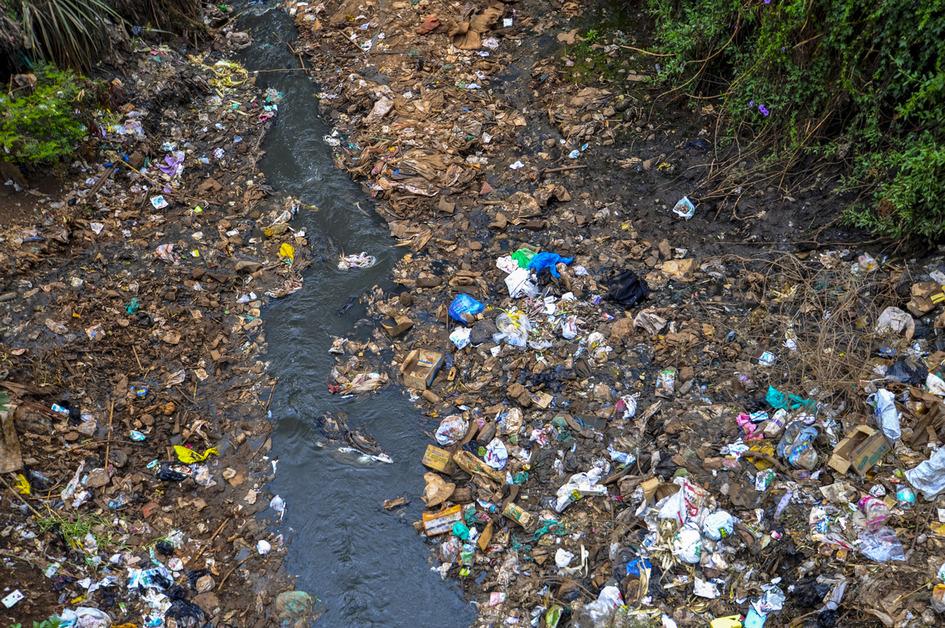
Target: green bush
[
  {"x": 841, "y": 79},
  {"x": 42, "y": 127}
]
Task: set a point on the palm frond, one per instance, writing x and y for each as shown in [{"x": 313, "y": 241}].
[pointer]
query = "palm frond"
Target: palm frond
[{"x": 68, "y": 32}]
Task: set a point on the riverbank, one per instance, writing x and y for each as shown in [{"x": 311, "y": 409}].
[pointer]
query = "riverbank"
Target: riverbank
[
  {"x": 609, "y": 431},
  {"x": 135, "y": 401}
]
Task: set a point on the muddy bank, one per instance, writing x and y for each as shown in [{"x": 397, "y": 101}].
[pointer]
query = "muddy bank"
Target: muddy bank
[
  {"x": 635, "y": 414},
  {"x": 135, "y": 440}
]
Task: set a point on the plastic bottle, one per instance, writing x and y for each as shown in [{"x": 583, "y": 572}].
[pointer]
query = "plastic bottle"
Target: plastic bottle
[{"x": 797, "y": 445}]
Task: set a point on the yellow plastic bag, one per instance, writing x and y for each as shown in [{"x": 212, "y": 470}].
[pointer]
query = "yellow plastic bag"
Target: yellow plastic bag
[
  {"x": 190, "y": 456},
  {"x": 730, "y": 621},
  {"x": 22, "y": 485},
  {"x": 287, "y": 251}
]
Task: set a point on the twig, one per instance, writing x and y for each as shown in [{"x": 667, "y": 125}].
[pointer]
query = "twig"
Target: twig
[
  {"x": 210, "y": 540},
  {"x": 646, "y": 52},
  {"x": 562, "y": 169},
  {"x": 108, "y": 443},
  {"x": 762, "y": 456},
  {"x": 137, "y": 359},
  {"x": 20, "y": 497},
  {"x": 230, "y": 572}
]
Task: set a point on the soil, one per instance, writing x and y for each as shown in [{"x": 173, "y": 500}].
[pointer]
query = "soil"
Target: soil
[{"x": 26, "y": 205}]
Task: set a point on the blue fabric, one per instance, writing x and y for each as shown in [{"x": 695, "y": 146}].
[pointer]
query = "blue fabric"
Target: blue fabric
[{"x": 548, "y": 260}]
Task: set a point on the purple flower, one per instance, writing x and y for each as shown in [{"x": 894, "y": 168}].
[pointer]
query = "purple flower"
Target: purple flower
[
  {"x": 751, "y": 104},
  {"x": 767, "y": 1},
  {"x": 763, "y": 110}
]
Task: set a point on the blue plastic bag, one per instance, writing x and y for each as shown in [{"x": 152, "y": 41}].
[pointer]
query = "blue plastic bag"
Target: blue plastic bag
[
  {"x": 548, "y": 260},
  {"x": 464, "y": 308}
]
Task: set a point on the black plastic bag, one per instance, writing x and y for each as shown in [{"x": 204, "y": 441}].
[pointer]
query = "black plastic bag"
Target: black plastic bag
[{"x": 627, "y": 289}]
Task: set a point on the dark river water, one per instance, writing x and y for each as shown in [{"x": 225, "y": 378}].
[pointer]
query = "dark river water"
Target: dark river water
[{"x": 367, "y": 566}]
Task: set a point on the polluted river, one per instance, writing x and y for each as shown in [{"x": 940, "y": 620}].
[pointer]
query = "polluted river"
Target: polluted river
[{"x": 368, "y": 567}]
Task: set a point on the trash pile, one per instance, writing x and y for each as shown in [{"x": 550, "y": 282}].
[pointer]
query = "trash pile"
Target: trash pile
[
  {"x": 625, "y": 431},
  {"x": 133, "y": 404},
  {"x": 571, "y": 454}
]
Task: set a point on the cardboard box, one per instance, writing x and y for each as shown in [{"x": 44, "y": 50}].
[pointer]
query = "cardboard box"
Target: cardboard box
[
  {"x": 516, "y": 514},
  {"x": 870, "y": 452},
  {"x": 420, "y": 367},
  {"x": 441, "y": 521},
  {"x": 842, "y": 458},
  {"x": 437, "y": 459},
  {"x": 860, "y": 450}
]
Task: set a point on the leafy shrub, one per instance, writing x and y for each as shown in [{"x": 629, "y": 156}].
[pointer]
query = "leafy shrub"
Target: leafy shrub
[
  {"x": 42, "y": 127},
  {"x": 827, "y": 78}
]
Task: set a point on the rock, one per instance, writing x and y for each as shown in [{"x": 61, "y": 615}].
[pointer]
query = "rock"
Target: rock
[
  {"x": 679, "y": 269},
  {"x": 205, "y": 583},
  {"x": 97, "y": 478},
  {"x": 621, "y": 329},
  {"x": 207, "y": 601},
  {"x": 482, "y": 331}
]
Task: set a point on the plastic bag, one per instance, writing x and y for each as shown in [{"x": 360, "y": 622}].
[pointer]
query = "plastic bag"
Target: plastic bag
[
  {"x": 608, "y": 601},
  {"x": 451, "y": 429},
  {"x": 520, "y": 284},
  {"x": 513, "y": 328},
  {"x": 464, "y": 308},
  {"x": 718, "y": 525},
  {"x": 684, "y": 208},
  {"x": 358, "y": 260},
  {"x": 627, "y": 289},
  {"x": 84, "y": 617},
  {"x": 929, "y": 476},
  {"x": 579, "y": 485},
  {"x": 684, "y": 504},
  {"x": 687, "y": 545},
  {"x": 787, "y": 401},
  {"x": 548, "y": 260},
  {"x": 460, "y": 337},
  {"x": 190, "y": 456},
  {"x": 522, "y": 257},
  {"x": 497, "y": 455},
  {"x": 881, "y": 545},
  {"x": 886, "y": 413}
]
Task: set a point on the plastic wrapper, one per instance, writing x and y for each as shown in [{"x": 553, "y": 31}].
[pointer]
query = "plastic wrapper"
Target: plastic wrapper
[
  {"x": 797, "y": 445},
  {"x": 497, "y": 455},
  {"x": 881, "y": 545}
]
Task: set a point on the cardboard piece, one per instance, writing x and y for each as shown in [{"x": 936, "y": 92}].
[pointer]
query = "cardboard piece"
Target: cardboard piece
[
  {"x": 401, "y": 325},
  {"x": 474, "y": 466},
  {"x": 420, "y": 367},
  {"x": 10, "y": 457},
  {"x": 485, "y": 538}
]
